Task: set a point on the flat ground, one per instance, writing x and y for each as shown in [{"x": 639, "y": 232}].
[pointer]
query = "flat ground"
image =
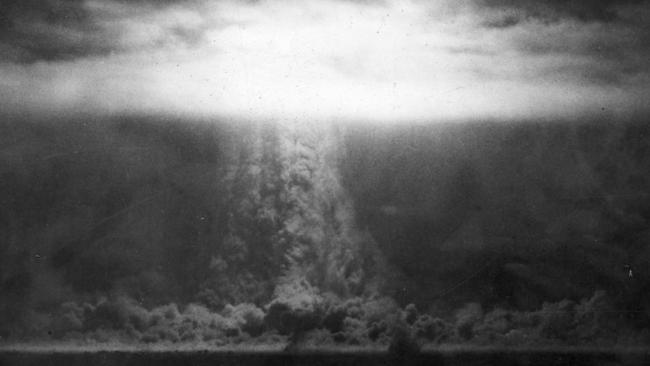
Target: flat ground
[{"x": 43, "y": 356}]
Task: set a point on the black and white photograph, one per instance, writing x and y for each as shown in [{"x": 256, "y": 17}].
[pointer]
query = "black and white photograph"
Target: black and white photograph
[{"x": 324, "y": 182}]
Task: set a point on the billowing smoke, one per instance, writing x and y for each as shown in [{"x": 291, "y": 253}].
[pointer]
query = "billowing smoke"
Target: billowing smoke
[
  {"x": 118, "y": 218},
  {"x": 134, "y": 230}
]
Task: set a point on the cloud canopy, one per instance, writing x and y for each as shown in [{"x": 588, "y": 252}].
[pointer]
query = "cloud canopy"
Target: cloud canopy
[{"x": 389, "y": 60}]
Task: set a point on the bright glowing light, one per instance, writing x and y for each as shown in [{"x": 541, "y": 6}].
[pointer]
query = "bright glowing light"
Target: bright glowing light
[{"x": 399, "y": 60}]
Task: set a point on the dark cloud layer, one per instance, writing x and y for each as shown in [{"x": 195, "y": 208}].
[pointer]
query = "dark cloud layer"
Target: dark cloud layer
[
  {"x": 555, "y": 10},
  {"x": 54, "y": 30},
  {"x": 602, "y": 42},
  {"x": 48, "y": 30},
  {"x": 64, "y": 29}
]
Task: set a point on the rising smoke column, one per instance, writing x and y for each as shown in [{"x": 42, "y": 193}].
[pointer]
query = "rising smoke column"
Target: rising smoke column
[
  {"x": 319, "y": 234},
  {"x": 265, "y": 223},
  {"x": 290, "y": 224}
]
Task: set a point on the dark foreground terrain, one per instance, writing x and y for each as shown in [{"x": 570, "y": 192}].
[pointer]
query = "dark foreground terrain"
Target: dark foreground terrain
[{"x": 314, "y": 358}]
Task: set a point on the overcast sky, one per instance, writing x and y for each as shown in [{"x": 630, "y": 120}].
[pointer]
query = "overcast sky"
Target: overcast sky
[{"x": 365, "y": 60}]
